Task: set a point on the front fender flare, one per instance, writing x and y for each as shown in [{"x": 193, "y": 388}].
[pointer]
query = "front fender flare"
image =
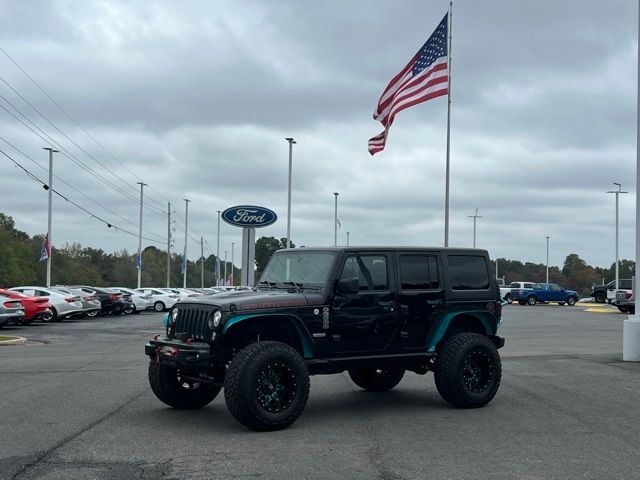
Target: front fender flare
[{"x": 306, "y": 340}]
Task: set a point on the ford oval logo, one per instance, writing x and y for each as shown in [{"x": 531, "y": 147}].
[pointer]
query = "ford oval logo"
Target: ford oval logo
[{"x": 249, "y": 216}]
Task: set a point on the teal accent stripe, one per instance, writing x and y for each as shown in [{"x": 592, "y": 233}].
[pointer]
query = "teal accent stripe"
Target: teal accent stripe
[{"x": 307, "y": 344}]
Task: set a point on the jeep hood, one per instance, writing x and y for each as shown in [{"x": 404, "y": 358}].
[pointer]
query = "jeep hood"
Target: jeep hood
[{"x": 257, "y": 300}]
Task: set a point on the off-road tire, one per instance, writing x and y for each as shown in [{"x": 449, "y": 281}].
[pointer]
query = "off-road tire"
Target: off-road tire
[
  {"x": 377, "y": 379},
  {"x": 600, "y": 297},
  {"x": 241, "y": 385},
  {"x": 532, "y": 300},
  {"x": 623, "y": 309},
  {"x": 450, "y": 370},
  {"x": 164, "y": 383},
  {"x": 571, "y": 301}
]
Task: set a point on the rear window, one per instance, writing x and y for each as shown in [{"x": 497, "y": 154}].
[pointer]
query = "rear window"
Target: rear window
[
  {"x": 468, "y": 272},
  {"x": 419, "y": 272}
]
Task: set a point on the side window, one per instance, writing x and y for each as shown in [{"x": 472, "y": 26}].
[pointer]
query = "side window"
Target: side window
[
  {"x": 30, "y": 292},
  {"x": 514, "y": 285},
  {"x": 468, "y": 272},
  {"x": 40, "y": 293},
  {"x": 418, "y": 272},
  {"x": 370, "y": 270},
  {"x": 555, "y": 288}
]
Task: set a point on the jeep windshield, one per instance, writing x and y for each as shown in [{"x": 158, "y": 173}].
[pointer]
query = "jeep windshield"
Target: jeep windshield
[{"x": 297, "y": 269}]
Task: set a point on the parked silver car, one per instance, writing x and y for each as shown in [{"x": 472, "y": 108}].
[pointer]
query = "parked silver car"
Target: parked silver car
[
  {"x": 161, "y": 300},
  {"x": 91, "y": 305},
  {"x": 62, "y": 305},
  {"x": 10, "y": 311}
]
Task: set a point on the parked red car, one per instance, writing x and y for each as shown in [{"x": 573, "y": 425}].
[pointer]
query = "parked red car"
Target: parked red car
[{"x": 34, "y": 307}]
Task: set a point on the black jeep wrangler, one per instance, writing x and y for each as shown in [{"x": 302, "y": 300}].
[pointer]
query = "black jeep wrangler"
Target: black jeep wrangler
[{"x": 375, "y": 312}]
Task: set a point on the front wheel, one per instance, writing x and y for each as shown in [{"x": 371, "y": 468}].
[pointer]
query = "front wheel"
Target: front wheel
[
  {"x": 377, "y": 379},
  {"x": 177, "y": 392},
  {"x": 130, "y": 310},
  {"x": 159, "y": 307},
  {"x": 266, "y": 386},
  {"x": 601, "y": 297},
  {"x": 571, "y": 301},
  {"x": 468, "y": 370},
  {"x": 508, "y": 298},
  {"x": 532, "y": 300}
]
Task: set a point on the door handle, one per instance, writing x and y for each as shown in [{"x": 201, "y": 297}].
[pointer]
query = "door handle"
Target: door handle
[
  {"x": 435, "y": 303},
  {"x": 387, "y": 306}
]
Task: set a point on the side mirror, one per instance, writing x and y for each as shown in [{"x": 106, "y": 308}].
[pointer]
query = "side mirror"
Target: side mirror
[{"x": 348, "y": 285}]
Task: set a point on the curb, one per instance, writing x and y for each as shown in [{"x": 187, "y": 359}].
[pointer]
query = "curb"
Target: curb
[{"x": 14, "y": 341}]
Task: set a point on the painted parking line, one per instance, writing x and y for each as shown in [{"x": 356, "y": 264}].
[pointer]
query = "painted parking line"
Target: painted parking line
[{"x": 601, "y": 310}]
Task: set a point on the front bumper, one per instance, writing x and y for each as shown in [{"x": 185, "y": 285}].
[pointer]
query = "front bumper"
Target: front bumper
[{"x": 179, "y": 354}]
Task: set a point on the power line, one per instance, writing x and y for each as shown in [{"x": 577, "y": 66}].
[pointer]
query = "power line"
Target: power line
[
  {"x": 75, "y": 121},
  {"x": 93, "y": 215},
  {"x": 77, "y": 190}
]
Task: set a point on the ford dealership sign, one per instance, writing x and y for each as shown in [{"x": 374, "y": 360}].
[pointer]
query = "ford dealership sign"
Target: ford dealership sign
[{"x": 249, "y": 216}]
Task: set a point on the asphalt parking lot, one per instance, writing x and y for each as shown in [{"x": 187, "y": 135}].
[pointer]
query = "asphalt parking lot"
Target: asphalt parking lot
[{"x": 76, "y": 405}]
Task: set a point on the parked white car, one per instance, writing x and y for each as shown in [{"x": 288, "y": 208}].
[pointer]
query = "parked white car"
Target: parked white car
[
  {"x": 181, "y": 292},
  {"x": 62, "y": 305},
  {"x": 141, "y": 301},
  {"x": 160, "y": 300}
]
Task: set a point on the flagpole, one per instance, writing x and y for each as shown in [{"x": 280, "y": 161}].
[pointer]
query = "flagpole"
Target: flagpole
[{"x": 446, "y": 195}]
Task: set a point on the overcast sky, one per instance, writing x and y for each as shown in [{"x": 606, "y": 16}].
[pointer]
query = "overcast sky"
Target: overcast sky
[{"x": 196, "y": 98}]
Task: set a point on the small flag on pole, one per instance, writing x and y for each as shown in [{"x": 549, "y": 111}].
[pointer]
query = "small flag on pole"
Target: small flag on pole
[
  {"x": 182, "y": 266},
  {"x": 138, "y": 262},
  {"x": 45, "y": 249},
  {"x": 426, "y": 76}
]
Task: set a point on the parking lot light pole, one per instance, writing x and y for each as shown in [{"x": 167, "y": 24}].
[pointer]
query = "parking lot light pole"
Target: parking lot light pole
[
  {"x": 475, "y": 218},
  {"x": 168, "y": 244},
  {"x": 631, "y": 326},
  {"x": 348, "y": 238},
  {"x": 291, "y": 143},
  {"x": 617, "y": 194},
  {"x": 225, "y": 268},
  {"x": 335, "y": 221},
  {"x": 547, "y": 258},
  {"x": 186, "y": 228},
  {"x": 50, "y": 189},
  {"x": 139, "y": 262},
  {"x": 232, "y": 247},
  {"x": 218, "y": 253},
  {"x": 201, "y": 262}
]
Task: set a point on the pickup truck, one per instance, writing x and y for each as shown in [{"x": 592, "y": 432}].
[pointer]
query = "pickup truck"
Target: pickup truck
[
  {"x": 607, "y": 292},
  {"x": 624, "y": 301},
  {"x": 505, "y": 292},
  {"x": 544, "y": 293}
]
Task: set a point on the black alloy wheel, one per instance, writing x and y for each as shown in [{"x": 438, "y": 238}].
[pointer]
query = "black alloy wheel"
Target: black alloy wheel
[
  {"x": 276, "y": 387},
  {"x": 171, "y": 388},
  {"x": 477, "y": 372}
]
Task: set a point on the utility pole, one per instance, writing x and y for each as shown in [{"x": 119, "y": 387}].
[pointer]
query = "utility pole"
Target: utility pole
[
  {"x": 348, "y": 238},
  {"x": 225, "y": 268},
  {"x": 335, "y": 221},
  {"x": 232, "y": 279},
  {"x": 475, "y": 218},
  {"x": 139, "y": 261},
  {"x": 218, "y": 253},
  {"x": 201, "y": 262},
  {"x": 291, "y": 143},
  {"x": 617, "y": 194},
  {"x": 547, "y": 258},
  {"x": 168, "y": 244},
  {"x": 186, "y": 228},
  {"x": 50, "y": 189}
]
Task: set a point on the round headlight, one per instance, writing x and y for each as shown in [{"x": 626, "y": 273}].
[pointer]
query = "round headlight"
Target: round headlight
[
  {"x": 174, "y": 315},
  {"x": 214, "y": 320}
]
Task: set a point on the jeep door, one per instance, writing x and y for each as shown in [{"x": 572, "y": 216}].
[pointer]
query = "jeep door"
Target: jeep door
[
  {"x": 366, "y": 320},
  {"x": 419, "y": 295}
]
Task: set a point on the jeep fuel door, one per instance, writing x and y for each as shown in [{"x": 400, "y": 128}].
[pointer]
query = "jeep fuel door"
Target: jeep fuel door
[
  {"x": 366, "y": 320},
  {"x": 420, "y": 294}
]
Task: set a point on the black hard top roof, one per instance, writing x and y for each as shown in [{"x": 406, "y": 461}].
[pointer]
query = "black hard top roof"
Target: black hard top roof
[{"x": 369, "y": 248}]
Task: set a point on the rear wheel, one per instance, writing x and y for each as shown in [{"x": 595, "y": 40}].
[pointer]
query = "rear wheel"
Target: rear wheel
[
  {"x": 130, "y": 310},
  {"x": 159, "y": 306},
  {"x": 468, "y": 370},
  {"x": 266, "y": 386},
  {"x": 177, "y": 392},
  {"x": 600, "y": 297},
  {"x": 532, "y": 300},
  {"x": 377, "y": 379}
]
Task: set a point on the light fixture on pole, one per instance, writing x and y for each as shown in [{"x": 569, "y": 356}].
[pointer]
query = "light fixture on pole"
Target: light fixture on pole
[
  {"x": 335, "y": 220},
  {"x": 291, "y": 143},
  {"x": 139, "y": 259},
  {"x": 50, "y": 191},
  {"x": 348, "y": 233},
  {"x": 617, "y": 264},
  {"x": 547, "y": 258},
  {"x": 475, "y": 218},
  {"x": 218, "y": 253},
  {"x": 186, "y": 228}
]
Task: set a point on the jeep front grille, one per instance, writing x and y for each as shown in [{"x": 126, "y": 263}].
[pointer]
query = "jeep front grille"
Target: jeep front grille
[{"x": 192, "y": 323}]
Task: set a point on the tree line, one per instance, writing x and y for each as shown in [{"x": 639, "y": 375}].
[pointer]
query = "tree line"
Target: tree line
[{"x": 74, "y": 264}]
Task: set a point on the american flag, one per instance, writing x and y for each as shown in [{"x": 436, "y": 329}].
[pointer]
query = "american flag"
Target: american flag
[
  {"x": 45, "y": 249},
  {"x": 426, "y": 76}
]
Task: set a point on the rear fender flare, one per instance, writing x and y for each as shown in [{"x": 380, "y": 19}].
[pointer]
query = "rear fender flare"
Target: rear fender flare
[
  {"x": 438, "y": 330},
  {"x": 308, "y": 346}
]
